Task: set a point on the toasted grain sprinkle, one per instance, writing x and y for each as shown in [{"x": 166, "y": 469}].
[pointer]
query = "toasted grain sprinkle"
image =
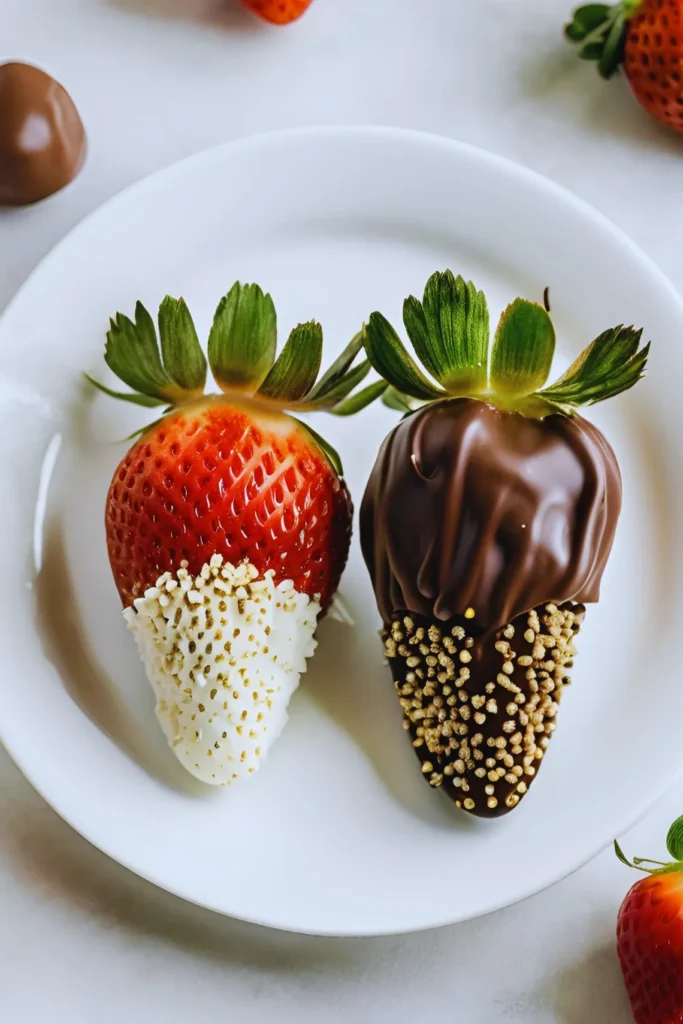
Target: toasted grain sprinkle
[{"x": 441, "y": 696}]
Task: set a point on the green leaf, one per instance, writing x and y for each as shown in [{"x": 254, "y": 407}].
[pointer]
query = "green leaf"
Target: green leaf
[
  {"x": 592, "y": 51},
  {"x": 140, "y": 431},
  {"x": 343, "y": 387},
  {"x": 338, "y": 369},
  {"x": 132, "y": 353},
  {"x": 243, "y": 338},
  {"x": 390, "y": 359},
  {"x": 183, "y": 358},
  {"x": 361, "y": 399},
  {"x": 297, "y": 367},
  {"x": 393, "y": 399},
  {"x": 674, "y": 842},
  {"x": 613, "y": 52},
  {"x": 331, "y": 453},
  {"x": 621, "y": 855},
  {"x": 523, "y": 349},
  {"x": 601, "y": 28},
  {"x": 611, "y": 364},
  {"x": 450, "y": 332},
  {"x": 144, "y": 325},
  {"x": 587, "y": 19},
  {"x": 426, "y": 349},
  {"x": 133, "y": 397}
]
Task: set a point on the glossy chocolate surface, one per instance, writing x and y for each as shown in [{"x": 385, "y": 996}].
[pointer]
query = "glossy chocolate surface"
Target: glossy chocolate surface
[
  {"x": 469, "y": 507},
  {"x": 42, "y": 139},
  {"x": 481, "y": 713}
]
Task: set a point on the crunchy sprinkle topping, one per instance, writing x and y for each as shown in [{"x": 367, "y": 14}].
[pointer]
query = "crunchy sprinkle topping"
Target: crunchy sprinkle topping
[
  {"x": 503, "y": 699},
  {"x": 215, "y": 710}
]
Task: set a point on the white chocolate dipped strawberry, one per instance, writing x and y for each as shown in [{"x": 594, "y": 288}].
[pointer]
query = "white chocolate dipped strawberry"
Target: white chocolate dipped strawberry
[{"x": 228, "y": 521}]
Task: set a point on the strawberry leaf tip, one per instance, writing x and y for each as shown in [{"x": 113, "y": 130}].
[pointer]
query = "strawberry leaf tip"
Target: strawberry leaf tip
[
  {"x": 523, "y": 349},
  {"x": 126, "y": 396},
  {"x": 336, "y": 393},
  {"x": 243, "y": 338},
  {"x": 132, "y": 353},
  {"x": 611, "y": 364},
  {"x": 587, "y": 19},
  {"x": 390, "y": 358},
  {"x": 361, "y": 399},
  {"x": 449, "y": 331},
  {"x": 297, "y": 366},
  {"x": 393, "y": 399},
  {"x": 621, "y": 855},
  {"x": 674, "y": 842},
  {"x": 180, "y": 349},
  {"x": 337, "y": 371},
  {"x": 600, "y": 31}
]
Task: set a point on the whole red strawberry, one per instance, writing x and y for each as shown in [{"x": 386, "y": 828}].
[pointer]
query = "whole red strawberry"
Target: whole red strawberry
[
  {"x": 646, "y": 37},
  {"x": 228, "y": 522},
  {"x": 650, "y": 936},
  {"x": 279, "y": 12}
]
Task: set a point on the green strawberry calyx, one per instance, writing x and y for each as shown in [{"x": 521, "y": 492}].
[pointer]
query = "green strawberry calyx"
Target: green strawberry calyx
[
  {"x": 449, "y": 333},
  {"x": 674, "y": 844},
  {"x": 164, "y": 363},
  {"x": 600, "y": 30}
]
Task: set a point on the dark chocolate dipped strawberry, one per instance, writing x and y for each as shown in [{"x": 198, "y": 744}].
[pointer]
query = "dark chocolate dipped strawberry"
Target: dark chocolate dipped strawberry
[{"x": 486, "y": 526}]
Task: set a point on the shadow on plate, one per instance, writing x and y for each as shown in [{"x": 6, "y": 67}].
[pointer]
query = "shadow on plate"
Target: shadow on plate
[
  {"x": 364, "y": 704},
  {"x": 222, "y": 14},
  {"x": 66, "y": 645}
]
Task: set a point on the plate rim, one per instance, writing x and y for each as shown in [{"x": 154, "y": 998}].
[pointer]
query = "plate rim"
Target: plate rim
[{"x": 511, "y": 169}]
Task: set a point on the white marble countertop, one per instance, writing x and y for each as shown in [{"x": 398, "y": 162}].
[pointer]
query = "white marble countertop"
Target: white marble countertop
[{"x": 83, "y": 940}]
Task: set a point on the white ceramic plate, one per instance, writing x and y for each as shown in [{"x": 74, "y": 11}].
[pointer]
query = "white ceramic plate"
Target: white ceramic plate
[{"x": 338, "y": 834}]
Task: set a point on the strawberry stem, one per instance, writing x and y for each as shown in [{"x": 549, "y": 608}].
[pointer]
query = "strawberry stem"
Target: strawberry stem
[
  {"x": 449, "y": 335},
  {"x": 674, "y": 844}
]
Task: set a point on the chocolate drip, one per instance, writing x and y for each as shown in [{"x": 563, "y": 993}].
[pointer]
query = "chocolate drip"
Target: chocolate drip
[
  {"x": 469, "y": 507},
  {"x": 42, "y": 139}
]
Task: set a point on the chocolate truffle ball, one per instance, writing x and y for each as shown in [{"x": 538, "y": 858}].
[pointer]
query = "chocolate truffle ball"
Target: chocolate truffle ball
[{"x": 42, "y": 139}]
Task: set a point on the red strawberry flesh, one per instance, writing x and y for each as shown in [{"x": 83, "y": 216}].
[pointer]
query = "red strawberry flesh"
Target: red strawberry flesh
[
  {"x": 650, "y": 942},
  {"x": 218, "y": 478},
  {"x": 652, "y": 60},
  {"x": 278, "y": 12}
]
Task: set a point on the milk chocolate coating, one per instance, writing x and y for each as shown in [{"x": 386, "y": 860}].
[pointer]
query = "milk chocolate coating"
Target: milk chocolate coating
[
  {"x": 471, "y": 507},
  {"x": 42, "y": 139}
]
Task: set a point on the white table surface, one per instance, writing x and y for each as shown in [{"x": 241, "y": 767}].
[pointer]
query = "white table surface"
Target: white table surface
[{"x": 83, "y": 940}]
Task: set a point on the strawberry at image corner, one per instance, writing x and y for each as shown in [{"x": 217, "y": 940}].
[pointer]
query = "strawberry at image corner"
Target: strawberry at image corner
[
  {"x": 650, "y": 935},
  {"x": 645, "y": 38}
]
